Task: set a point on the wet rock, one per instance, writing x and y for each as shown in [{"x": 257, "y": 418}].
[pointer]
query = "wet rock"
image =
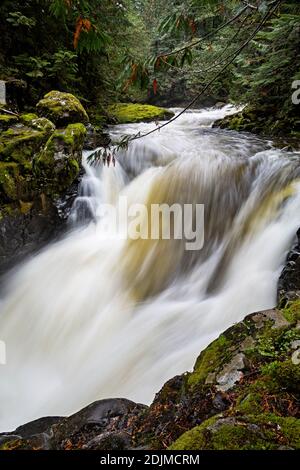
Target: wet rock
[
  {"x": 6, "y": 438},
  {"x": 109, "y": 441},
  {"x": 95, "y": 137},
  {"x": 102, "y": 420},
  {"x": 25, "y": 230},
  {"x": 37, "y": 426},
  {"x": 6, "y": 121},
  {"x": 231, "y": 373},
  {"x": 289, "y": 281},
  {"x": 219, "y": 104}
]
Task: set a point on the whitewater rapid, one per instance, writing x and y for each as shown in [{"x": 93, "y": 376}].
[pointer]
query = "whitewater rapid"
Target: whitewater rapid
[{"x": 95, "y": 316}]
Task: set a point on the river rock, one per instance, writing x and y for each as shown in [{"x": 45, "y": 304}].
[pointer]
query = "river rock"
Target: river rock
[
  {"x": 95, "y": 137},
  {"x": 132, "y": 112},
  {"x": 62, "y": 108}
]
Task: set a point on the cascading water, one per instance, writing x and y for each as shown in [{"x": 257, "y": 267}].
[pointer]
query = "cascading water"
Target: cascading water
[{"x": 96, "y": 316}]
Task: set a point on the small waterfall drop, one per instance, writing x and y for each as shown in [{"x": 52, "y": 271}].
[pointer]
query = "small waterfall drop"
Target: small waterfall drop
[{"x": 95, "y": 315}]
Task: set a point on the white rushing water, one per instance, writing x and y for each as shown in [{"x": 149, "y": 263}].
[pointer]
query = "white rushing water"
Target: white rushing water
[{"x": 95, "y": 316}]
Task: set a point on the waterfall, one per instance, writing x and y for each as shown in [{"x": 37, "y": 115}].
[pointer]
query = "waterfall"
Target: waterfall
[{"x": 96, "y": 315}]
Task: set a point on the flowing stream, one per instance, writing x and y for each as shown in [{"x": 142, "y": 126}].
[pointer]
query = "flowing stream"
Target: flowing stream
[{"x": 95, "y": 316}]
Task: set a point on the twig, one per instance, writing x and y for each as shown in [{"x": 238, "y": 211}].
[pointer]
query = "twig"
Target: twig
[
  {"x": 253, "y": 7},
  {"x": 227, "y": 23},
  {"x": 8, "y": 112}
]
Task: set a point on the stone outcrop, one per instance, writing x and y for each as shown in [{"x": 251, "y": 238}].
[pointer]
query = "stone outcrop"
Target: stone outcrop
[
  {"x": 40, "y": 161},
  {"x": 62, "y": 109}
]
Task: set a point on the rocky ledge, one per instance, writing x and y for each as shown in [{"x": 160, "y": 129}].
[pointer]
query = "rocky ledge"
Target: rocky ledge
[
  {"x": 40, "y": 159},
  {"x": 243, "y": 393}
]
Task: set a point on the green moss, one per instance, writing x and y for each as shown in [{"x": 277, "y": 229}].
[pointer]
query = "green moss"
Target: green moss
[
  {"x": 286, "y": 374},
  {"x": 7, "y": 120},
  {"x": 15, "y": 182},
  {"x": 21, "y": 144},
  {"x": 62, "y": 108},
  {"x": 274, "y": 343},
  {"x": 250, "y": 403},
  {"x": 292, "y": 311},
  {"x": 27, "y": 119},
  {"x": 74, "y": 135},
  {"x": 126, "y": 113},
  {"x": 282, "y": 430},
  {"x": 57, "y": 174},
  {"x": 259, "y": 432},
  {"x": 194, "y": 439},
  {"x": 43, "y": 124},
  {"x": 216, "y": 354},
  {"x": 8, "y": 174}
]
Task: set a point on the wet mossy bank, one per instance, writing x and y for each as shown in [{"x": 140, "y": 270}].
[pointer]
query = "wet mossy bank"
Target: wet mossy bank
[
  {"x": 243, "y": 394},
  {"x": 40, "y": 161},
  {"x": 266, "y": 122}
]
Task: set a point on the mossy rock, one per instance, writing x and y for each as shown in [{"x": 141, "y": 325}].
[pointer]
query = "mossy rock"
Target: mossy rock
[
  {"x": 20, "y": 144},
  {"x": 253, "y": 432},
  {"x": 41, "y": 124},
  {"x": 27, "y": 118},
  {"x": 7, "y": 120},
  {"x": 58, "y": 163},
  {"x": 62, "y": 109},
  {"x": 127, "y": 113}
]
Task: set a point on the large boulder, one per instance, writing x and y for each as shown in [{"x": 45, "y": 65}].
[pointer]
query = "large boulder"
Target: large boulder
[
  {"x": 62, "y": 108},
  {"x": 128, "y": 112}
]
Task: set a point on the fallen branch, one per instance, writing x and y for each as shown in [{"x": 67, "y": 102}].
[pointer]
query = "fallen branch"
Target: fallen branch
[{"x": 3, "y": 110}]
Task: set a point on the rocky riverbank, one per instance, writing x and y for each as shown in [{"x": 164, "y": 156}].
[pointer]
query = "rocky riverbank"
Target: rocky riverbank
[
  {"x": 262, "y": 121},
  {"x": 243, "y": 393},
  {"x": 40, "y": 162}
]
